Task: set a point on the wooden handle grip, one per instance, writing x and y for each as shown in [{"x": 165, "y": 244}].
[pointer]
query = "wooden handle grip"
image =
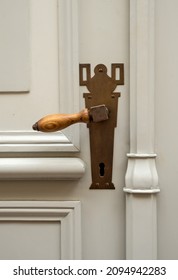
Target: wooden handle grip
[{"x": 52, "y": 123}]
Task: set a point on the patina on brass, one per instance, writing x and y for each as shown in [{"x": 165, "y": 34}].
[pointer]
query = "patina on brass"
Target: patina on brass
[{"x": 101, "y": 91}]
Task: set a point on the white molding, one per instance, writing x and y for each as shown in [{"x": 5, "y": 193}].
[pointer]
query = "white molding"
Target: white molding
[
  {"x": 141, "y": 226},
  {"x": 67, "y": 140},
  {"x": 141, "y": 180},
  {"x": 41, "y": 168},
  {"x": 141, "y": 172},
  {"x": 67, "y": 213},
  {"x": 29, "y": 141},
  {"x": 69, "y": 63},
  {"x": 141, "y": 191},
  {"x": 133, "y": 155},
  {"x": 142, "y": 76}
]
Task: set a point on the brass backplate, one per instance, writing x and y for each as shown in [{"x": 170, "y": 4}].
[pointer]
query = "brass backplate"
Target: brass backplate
[{"x": 101, "y": 91}]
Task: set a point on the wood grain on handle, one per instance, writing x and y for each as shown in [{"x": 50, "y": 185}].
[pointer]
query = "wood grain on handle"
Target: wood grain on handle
[{"x": 55, "y": 122}]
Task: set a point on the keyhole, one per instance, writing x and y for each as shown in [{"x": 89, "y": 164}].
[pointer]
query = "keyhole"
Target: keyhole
[{"x": 102, "y": 167}]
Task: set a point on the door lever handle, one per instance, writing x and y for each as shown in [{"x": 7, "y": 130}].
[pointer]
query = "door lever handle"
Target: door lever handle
[
  {"x": 55, "y": 122},
  {"x": 101, "y": 119}
]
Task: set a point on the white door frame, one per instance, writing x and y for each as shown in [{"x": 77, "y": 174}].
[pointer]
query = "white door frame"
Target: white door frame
[{"x": 141, "y": 184}]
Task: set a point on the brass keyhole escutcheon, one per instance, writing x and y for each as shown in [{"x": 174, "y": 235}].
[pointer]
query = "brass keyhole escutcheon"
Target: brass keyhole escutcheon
[
  {"x": 102, "y": 167},
  {"x": 102, "y": 89}
]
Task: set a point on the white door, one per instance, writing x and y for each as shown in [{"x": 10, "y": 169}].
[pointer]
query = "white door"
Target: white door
[{"x": 47, "y": 210}]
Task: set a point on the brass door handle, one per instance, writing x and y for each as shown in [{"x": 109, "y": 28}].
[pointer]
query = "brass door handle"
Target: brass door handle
[
  {"x": 55, "y": 122},
  {"x": 101, "y": 119}
]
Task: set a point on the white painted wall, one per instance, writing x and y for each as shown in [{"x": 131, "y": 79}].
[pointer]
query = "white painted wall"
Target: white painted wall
[{"x": 166, "y": 130}]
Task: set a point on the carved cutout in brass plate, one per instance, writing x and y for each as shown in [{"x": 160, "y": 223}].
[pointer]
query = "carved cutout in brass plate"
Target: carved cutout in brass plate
[{"x": 101, "y": 91}]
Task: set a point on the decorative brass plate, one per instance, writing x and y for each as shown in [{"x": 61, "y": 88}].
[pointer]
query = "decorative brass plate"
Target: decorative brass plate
[{"x": 101, "y": 91}]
